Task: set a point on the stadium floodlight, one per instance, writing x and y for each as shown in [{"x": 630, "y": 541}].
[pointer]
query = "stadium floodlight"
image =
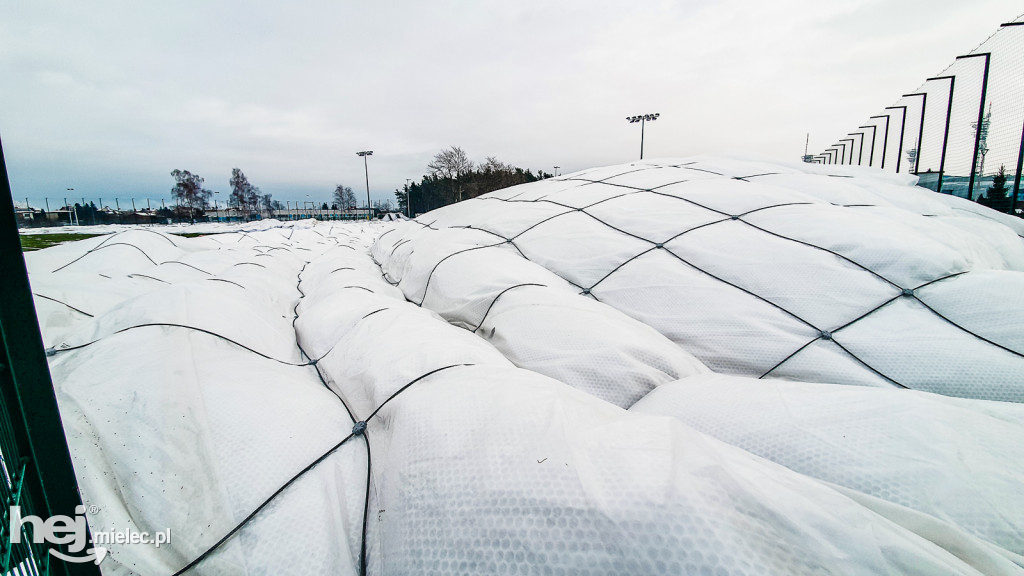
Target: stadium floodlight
[
  {"x": 642, "y": 119},
  {"x": 408, "y": 196},
  {"x": 366, "y": 169}
]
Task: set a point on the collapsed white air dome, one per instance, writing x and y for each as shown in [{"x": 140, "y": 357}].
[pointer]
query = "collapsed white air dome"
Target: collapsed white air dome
[
  {"x": 668, "y": 367},
  {"x": 800, "y": 272}
]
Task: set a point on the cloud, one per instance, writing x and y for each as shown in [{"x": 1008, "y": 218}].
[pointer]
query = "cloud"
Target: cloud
[{"x": 110, "y": 96}]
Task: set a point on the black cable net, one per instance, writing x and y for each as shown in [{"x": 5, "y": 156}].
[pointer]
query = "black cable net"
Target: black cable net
[
  {"x": 360, "y": 424},
  {"x": 573, "y": 197},
  {"x": 644, "y": 245}
]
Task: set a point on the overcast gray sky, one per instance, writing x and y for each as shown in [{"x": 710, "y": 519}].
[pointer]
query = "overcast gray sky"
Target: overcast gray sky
[{"x": 109, "y": 96}]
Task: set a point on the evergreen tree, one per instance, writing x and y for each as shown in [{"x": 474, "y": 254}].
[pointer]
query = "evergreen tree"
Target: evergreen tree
[{"x": 998, "y": 198}]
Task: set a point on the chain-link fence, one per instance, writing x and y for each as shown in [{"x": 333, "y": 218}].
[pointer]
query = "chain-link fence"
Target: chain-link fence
[
  {"x": 56, "y": 212},
  {"x": 961, "y": 131}
]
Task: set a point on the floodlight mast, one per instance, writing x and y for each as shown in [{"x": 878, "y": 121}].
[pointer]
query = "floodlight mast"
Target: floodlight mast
[
  {"x": 642, "y": 119},
  {"x": 366, "y": 169},
  {"x": 408, "y": 196}
]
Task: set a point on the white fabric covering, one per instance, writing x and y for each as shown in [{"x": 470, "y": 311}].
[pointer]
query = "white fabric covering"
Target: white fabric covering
[{"x": 495, "y": 348}]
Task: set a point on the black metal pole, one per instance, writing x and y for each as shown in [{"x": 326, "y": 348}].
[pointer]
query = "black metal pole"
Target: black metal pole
[
  {"x": 851, "y": 141},
  {"x": 860, "y": 152},
  {"x": 981, "y": 117},
  {"x": 1016, "y": 179},
  {"x": 903, "y": 126},
  {"x": 885, "y": 138},
  {"x": 642, "y": 138},
  {"x": 874, "y": 134},
  {"x": 920, "y": 131},
  {"x": 29, "y": 400},
  {"x": 945, "y": 134},
  {"x": 366, "y": 170}
]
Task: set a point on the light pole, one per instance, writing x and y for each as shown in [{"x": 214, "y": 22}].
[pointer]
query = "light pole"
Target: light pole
[
  {"x": 366, "y": 169},
  {"x": 408, "y": 196},
  {"x": 70, "y": 219},
  {"x": 642, "y": 119}
]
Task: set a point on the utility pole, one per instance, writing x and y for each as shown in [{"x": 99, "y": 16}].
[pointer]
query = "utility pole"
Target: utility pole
[{"x": 366, "y": 169}]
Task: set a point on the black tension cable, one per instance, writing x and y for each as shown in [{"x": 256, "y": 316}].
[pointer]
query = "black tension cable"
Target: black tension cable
[
  {"x": 729, "y": 217},
  {"x": 61, "y": 302},
  {"x": 262, "y": 505},
  {"x": 500, "y": 294},
  {"x": 64, "y": 348}
]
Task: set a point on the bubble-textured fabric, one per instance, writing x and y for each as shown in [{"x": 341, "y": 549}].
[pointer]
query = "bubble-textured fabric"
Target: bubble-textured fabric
[{"x": 594, "y": 374}]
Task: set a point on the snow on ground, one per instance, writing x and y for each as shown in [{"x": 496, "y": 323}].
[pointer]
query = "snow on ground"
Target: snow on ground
[{"x": 684, "y": 366}]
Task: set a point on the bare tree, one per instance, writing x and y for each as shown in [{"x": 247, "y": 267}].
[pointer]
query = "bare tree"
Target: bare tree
[
  {"x": 344, "y": 198},
  {"x": 494, "y": 165},
  {"x": 239, "y": 188},
  {"x": 188, "y": 191},
  {"x": 244, "y": 195},
  {"x": 252, "y": 199},
  {"x": 450, "y": 164}
]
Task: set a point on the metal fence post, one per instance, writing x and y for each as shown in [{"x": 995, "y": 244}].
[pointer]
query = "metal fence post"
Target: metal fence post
[
  {"x": 903, "y": 126},
  {"x": 874, "y": 134},
  {"x": 885, "y": 138},
  {"x": 920, "y": 131},
  {"x": 28, "y": 397},
  {"x": 851, "y": 141},
  {"x": 1016, "y": 178},
  {"x": 945, "y": 134},
  {"x": 981, "y": 118}
]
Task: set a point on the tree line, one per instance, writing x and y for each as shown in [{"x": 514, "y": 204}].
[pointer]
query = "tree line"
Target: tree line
[
  {"x": 193, "y": 199},
  {"x": 453, "y": 177}
]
